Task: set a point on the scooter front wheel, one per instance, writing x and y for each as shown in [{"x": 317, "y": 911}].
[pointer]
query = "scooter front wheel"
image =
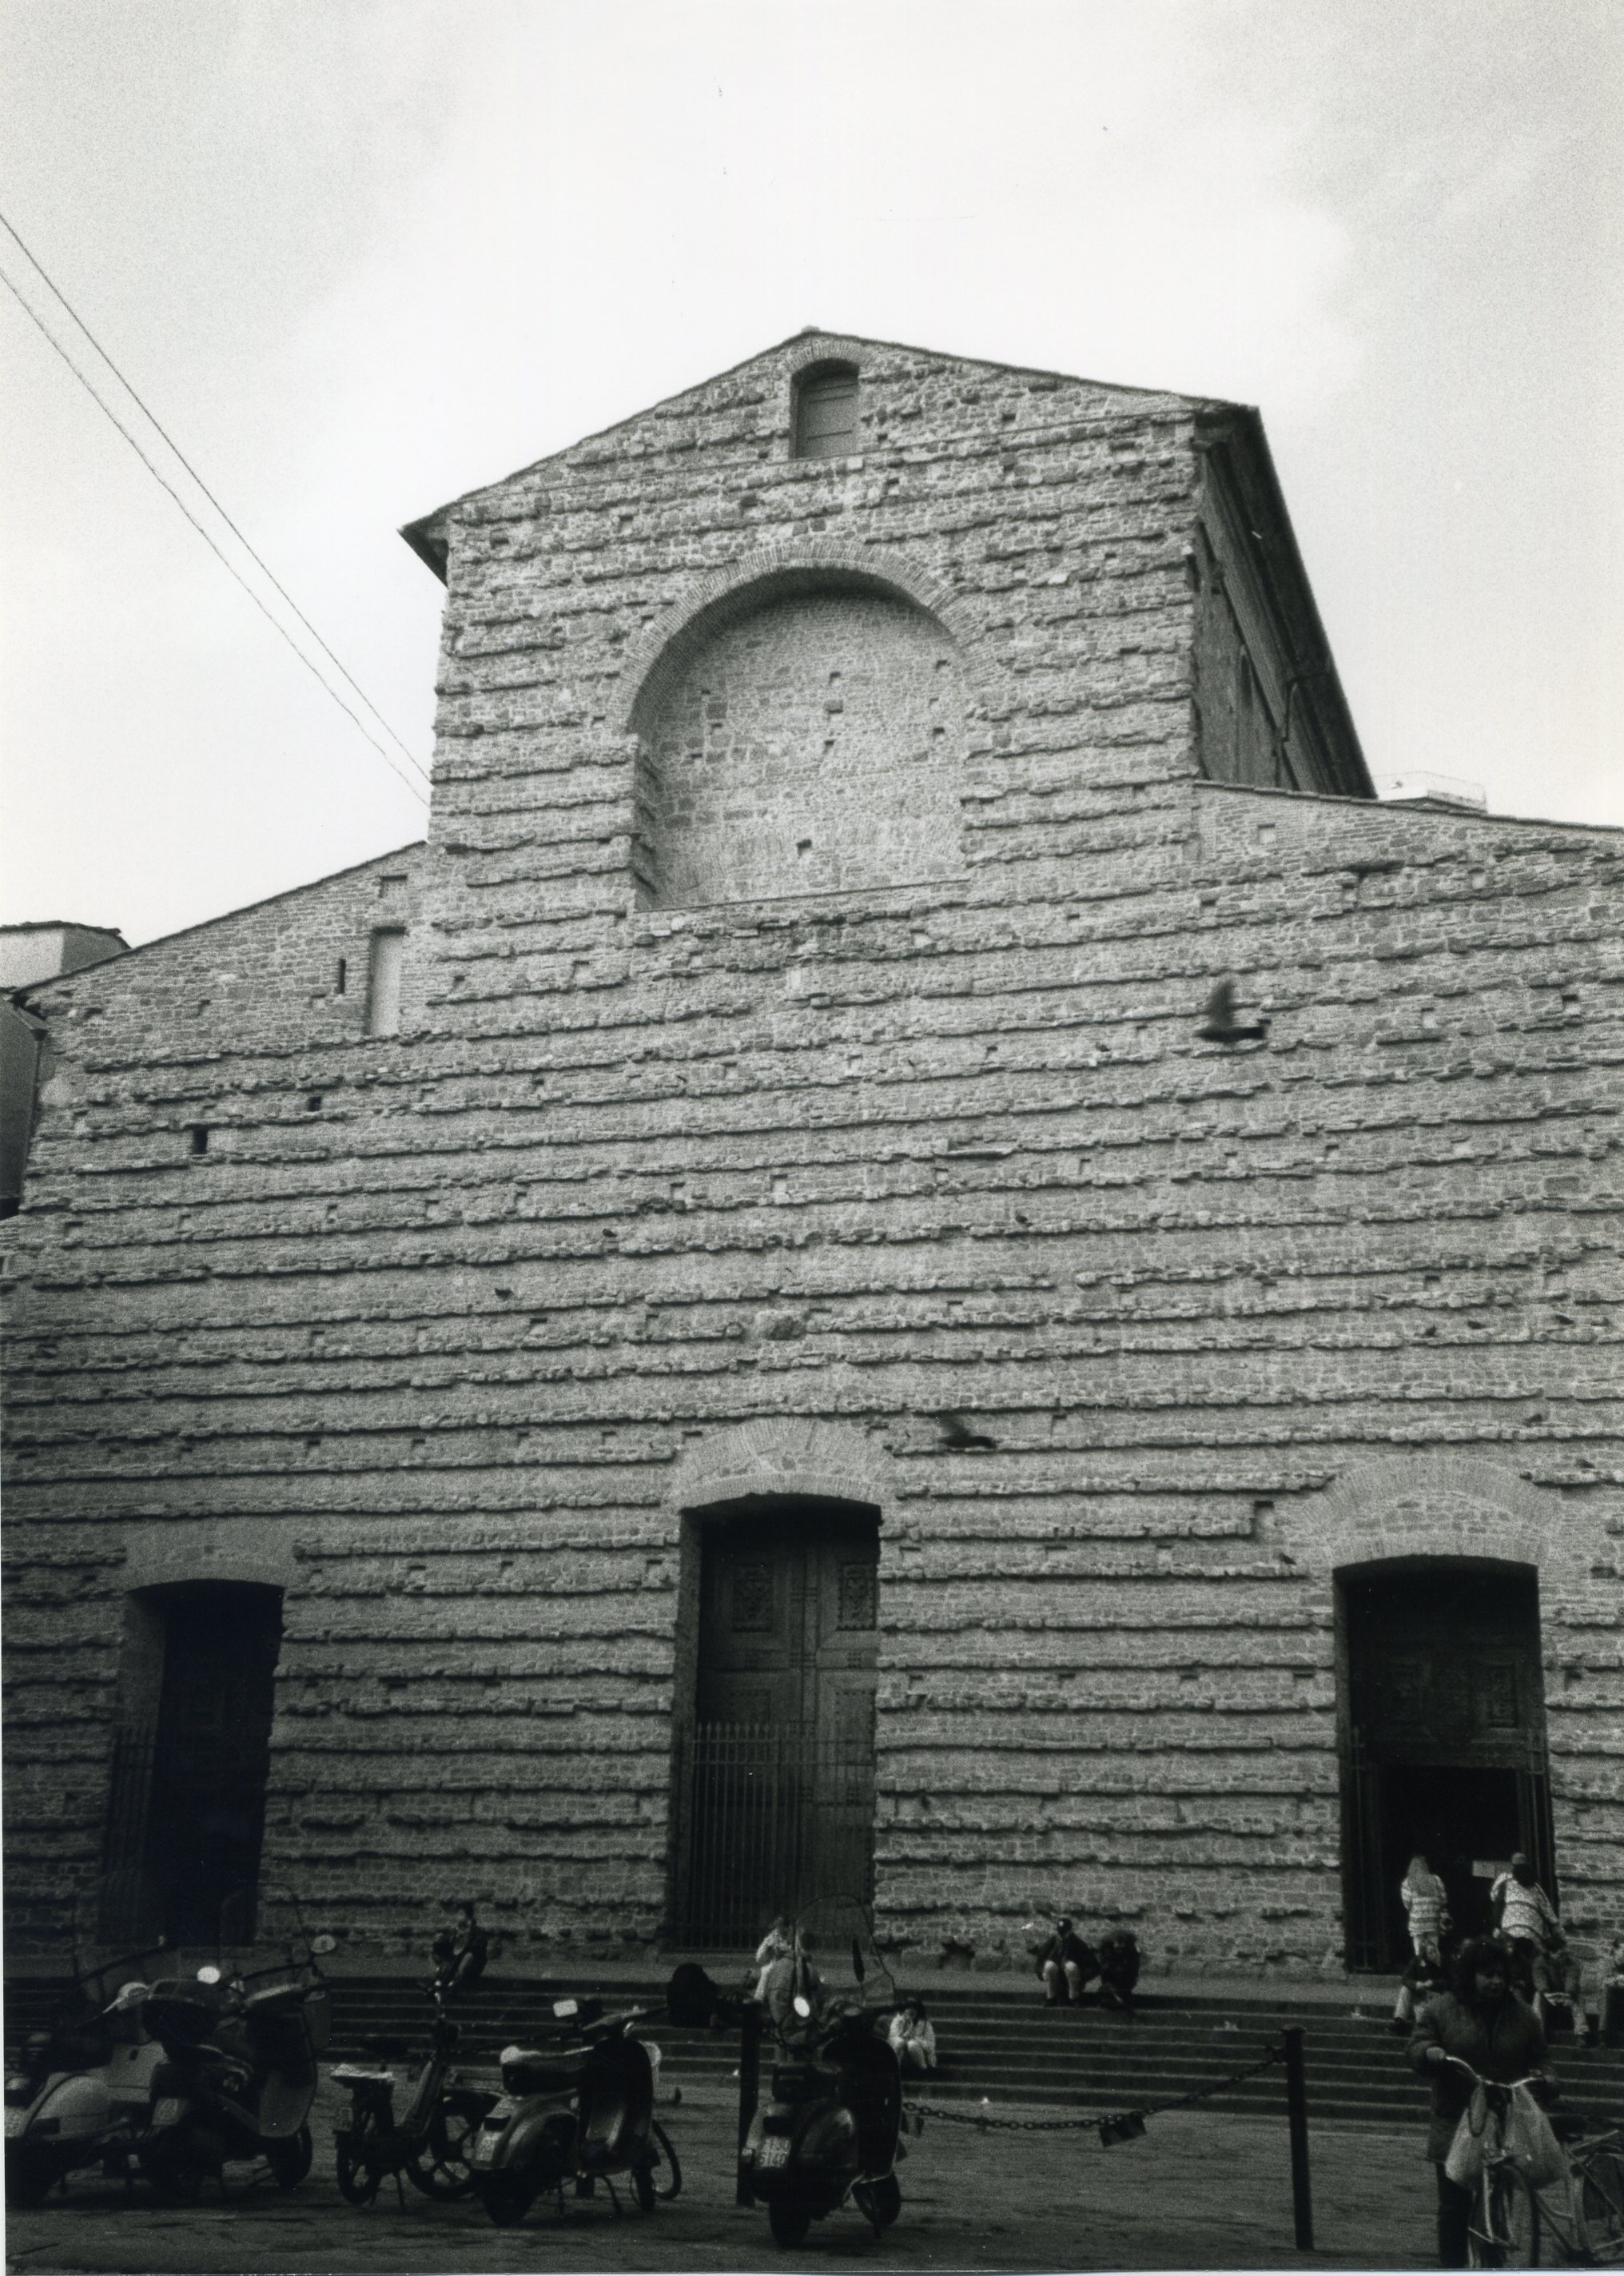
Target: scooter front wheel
[
  {"x": 290, "y": 2158},
  {"x": 29, "y": 2177},
  {"x": 878, "y": 2202},
  {"x": 177, "y": 2167},
  {"x": 443, "y": 2167},
  {"x": 507, "y": 2197},
  {"x": 788, "y": 2219}
]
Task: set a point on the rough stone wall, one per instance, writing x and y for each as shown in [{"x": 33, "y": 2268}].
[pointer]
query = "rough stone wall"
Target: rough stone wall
[
  {"x": 642, "y": 1197},
  {"x": 815, "y": 744},
  {"x": 1235, "y": 730}
]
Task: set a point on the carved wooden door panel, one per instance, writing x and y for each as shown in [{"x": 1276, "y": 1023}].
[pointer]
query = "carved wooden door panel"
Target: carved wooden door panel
[
  {"x": 1446, "y": 1669},
  {"x": 752, "y": 1624},
  {"x": 788, "y": 1630}
]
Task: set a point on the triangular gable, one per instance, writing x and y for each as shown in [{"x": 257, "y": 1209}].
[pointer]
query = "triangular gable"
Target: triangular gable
[{"x": 735, "y": 411}]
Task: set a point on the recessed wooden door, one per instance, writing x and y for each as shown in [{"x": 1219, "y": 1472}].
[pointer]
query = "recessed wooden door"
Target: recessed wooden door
[
  {"x": 1446, "y": 1735},
  {"x": 211, "y": 1757},
  {"x": 780, "y": 1778}
]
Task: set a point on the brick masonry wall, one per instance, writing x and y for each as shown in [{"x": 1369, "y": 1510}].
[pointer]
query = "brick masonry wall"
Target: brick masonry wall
[{"x": 648, "y": 1198}]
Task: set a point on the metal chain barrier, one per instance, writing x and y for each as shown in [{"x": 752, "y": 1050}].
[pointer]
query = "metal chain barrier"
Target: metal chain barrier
[{"x": 1121, "y": 2126}]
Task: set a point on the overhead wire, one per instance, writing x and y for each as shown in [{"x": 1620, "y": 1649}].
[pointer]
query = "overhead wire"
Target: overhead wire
[{"x": 100, "y": 401}]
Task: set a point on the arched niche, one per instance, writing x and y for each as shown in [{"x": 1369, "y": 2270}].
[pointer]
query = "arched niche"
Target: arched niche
[{"x": 802, "y": 732}]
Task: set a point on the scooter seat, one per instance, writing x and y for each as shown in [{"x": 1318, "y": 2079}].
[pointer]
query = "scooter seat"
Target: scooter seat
[
  {"x": 392, "y": 2049},
  {"x": 533, "y": 2072},
  {"x": 357, "y": 2074},
  {"x": 273, "y": 1996}
]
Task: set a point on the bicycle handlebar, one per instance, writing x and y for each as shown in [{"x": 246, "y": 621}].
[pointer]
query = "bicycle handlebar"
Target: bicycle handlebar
[{"x": 1534, "y": 2077}]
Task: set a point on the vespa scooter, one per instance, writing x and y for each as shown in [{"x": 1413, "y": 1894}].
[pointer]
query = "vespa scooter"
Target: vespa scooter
[
  {"x": 581, "y": 2111},
  {"x": 86, "y": 2091},
  {"x": 241, "y": 2059},
  {"x": 829, "y": 2133}
]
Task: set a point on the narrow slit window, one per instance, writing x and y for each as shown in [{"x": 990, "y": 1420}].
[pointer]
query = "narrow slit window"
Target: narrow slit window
[
  {"x": 826, "y": 412},
  {"x": 383, "y": 973}
]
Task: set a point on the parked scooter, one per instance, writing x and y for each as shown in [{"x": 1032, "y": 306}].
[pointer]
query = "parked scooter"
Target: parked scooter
[
  {"x": 241, "y": 2064},
  {"x": 828, "y": 2134},
  {"x": 431, "y": 2141},
  {"x": 581, "y": 2111},
  {"x": 85, "y": 2091}
]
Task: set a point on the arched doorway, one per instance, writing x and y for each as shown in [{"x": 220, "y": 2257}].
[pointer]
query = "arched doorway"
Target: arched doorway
[
  {"x": 775, "y": 1769},
  {"x": 190, "y": 1761},
  {"x": 1443, "y": 1739}
]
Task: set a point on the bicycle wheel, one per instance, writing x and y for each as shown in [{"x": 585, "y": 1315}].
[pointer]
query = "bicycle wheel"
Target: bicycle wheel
[
  {"x": 1601, "y": 2203},
  {"x": 358, "y": 2178},
  {"x": 443, "y": 2166},
  {"x": 1505, "y": 2231}
]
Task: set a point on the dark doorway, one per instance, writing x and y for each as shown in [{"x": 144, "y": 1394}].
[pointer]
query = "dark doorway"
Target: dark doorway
[
  {"x": 1444, "y": 1745},
  {"x": 776, "y": 1774},
  {"x": 192, "y": 1762}
]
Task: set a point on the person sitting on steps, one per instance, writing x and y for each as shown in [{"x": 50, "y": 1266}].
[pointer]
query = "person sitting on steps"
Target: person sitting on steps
[
  {"x": 913, "y": 2036},
  {"x": 1066, "y": 1964}
]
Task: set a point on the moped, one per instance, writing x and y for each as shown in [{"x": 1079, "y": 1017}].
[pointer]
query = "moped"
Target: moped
[
  {"x": 580, "y": 2111},
  {"x": 430, "y": 2141},
  {"x": 829, "y": 2133},
  {"x": 241, "y": 2064}
]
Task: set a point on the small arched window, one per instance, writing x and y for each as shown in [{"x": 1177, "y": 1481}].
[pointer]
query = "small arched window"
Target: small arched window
[{"x": 825, "y": 412}]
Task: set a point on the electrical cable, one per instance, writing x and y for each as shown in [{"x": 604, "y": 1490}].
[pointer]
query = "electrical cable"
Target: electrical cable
[{"x": 35, "y": 319}]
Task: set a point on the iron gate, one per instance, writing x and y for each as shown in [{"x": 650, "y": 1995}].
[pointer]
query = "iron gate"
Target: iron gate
[{"x": 771, "y": 1815}]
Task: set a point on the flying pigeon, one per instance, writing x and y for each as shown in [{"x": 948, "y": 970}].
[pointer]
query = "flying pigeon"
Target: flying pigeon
[
  {"x": 1220, "y": 1024},
  {"x": 957, "y": 1432}
]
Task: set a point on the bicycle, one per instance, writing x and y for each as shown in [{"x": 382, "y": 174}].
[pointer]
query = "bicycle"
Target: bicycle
[
  {"x": 1578, "y": 2222},
  {"x": 1586, "y": 2218}
]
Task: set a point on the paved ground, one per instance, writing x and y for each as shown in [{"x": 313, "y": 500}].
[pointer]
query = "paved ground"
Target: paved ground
[{"x": 1199, "y": 2190}]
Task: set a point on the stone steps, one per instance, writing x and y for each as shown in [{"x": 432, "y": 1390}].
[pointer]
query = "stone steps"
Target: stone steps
[{"x": 1001, "y": 2042}]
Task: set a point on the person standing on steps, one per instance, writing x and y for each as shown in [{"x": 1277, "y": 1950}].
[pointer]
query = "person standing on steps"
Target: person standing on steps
[
  {"x": 777, "y": 1944},
  {"x": 1525, "y": 1916},
  {"x": 1478, "y": 2022},
  {"x": 1426, "y": 1907}
]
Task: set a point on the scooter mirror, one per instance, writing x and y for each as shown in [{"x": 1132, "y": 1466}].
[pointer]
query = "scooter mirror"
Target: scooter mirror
[
  {"x": 322, "y": 1945},
  {"x": 803, "y": 2005},
  {"x": 129, "y": 1995},
  {"x": 564, "y": 2008},
  {"x": 209, "y": 1974}
]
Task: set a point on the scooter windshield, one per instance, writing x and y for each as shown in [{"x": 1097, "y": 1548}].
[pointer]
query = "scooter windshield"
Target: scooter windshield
[{"x": 838, "y": 1961}]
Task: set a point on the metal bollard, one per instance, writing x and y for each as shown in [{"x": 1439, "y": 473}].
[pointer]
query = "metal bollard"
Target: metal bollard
[
  {"x": 1296, "y": 2121},
  {"x": 748, "y": 2088}
]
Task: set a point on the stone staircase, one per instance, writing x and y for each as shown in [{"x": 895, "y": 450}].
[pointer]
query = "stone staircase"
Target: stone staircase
[{"x": 999, "y": 2041}]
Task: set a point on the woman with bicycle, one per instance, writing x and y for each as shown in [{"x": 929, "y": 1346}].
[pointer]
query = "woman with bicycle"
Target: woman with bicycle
[{"x": 1480, "y": 2023}]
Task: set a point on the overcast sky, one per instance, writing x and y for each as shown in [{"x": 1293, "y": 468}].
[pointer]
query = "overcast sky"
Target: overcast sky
[{"x": 360, "y": 257}]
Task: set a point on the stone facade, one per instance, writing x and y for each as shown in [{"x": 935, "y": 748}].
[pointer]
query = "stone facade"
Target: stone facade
[{"x": 708, "y": 1163}]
